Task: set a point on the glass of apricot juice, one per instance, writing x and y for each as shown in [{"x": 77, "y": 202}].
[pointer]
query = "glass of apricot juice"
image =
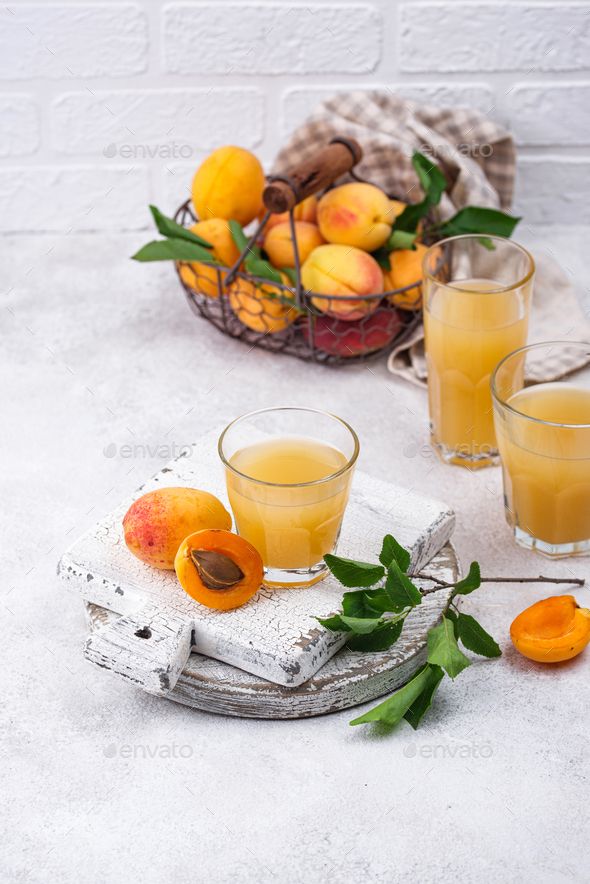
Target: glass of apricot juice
[
  {"x": 543, "y": 432},
  {"x": 288, "y": 473},
  {"x": 477, "y": 292}
]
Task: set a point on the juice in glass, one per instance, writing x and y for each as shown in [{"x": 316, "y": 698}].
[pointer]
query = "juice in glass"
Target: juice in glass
[
  {"x": 470, "y": 323},
  {"x": 544, "y": 440},
  {"x": 288, "y": 493}
]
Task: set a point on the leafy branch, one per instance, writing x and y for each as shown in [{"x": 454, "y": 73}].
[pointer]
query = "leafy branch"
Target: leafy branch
[
  {"x": 182, "y": 244},
  {"x": 471, "y": 219},
  {"x": 373, "y": 617}
]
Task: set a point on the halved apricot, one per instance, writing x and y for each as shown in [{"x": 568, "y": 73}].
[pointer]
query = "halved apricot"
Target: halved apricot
[
  {"x": 218, "y": 569},
  {"x": 551, "y": 630}
]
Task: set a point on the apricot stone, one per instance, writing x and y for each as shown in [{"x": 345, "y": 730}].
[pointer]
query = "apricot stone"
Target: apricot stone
[
  {"x": 203, "y": 277},
  {"x": 157, "y": 523},
  {"x": 229, "y": 184},
  {"x": 356, "y": 214},
  {"x": 278, "y": 243},
  {"x": 345, "y": 272}
]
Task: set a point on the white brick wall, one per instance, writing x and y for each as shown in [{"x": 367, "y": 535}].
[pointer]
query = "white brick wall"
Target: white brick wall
[{"x": 105, "y": 106}]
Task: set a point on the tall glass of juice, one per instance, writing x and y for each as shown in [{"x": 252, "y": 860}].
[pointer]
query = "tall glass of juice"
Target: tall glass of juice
[
  {"x": 477, "y": 292},
  {"x": 543, "y": 432},
  {"x": 288, "y": 474}
]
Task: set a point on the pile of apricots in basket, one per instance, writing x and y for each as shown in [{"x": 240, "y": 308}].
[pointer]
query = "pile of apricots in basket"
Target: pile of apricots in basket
[
  {"x": 189, "y": 531},
  {"x": 336, "y": 234}
]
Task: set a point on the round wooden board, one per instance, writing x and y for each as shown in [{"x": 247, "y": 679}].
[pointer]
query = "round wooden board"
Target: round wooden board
[{"x": 348, "y": 679}]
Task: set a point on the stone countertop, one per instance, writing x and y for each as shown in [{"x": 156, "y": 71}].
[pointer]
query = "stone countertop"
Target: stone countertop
[{"x": 106, "y": 376}]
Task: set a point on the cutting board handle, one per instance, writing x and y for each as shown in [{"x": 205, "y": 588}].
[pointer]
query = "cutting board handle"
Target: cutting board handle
[{"x": 150, "y": 647}]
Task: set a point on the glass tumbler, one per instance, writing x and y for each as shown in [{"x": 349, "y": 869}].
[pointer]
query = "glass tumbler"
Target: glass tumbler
[
  {"x": 477, "y": 292},
  {"x": 288, "y": 474},
  {"x": 543, "y": 432}
]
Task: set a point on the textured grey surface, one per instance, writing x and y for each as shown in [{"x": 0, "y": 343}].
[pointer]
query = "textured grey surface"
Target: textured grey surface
[{"x": 106, "y": 374}]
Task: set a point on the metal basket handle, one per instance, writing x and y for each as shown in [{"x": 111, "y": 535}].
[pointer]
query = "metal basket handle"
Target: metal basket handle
[{"x": 283, "y": 192}]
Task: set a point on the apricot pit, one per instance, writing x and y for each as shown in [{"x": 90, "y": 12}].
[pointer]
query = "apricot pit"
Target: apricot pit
[{"x": 219, "y": 569}]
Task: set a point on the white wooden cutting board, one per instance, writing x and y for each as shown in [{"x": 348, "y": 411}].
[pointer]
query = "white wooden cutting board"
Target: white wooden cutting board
[{"x": 275, "y": 635}]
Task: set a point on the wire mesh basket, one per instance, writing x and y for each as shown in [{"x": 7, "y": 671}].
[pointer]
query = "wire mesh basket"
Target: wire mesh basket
[{"x": 284, "y": 317}]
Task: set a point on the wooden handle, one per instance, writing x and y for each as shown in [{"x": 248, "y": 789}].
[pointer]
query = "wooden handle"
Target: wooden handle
[{"x": 285, "y": 191}]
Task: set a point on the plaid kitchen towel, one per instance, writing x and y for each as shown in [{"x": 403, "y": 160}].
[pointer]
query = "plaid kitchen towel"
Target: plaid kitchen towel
[{"x": 478, "y": 158}]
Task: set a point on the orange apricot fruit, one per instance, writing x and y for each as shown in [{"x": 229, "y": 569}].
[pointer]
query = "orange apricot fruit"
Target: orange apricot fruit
[
  {"x": 336, "y": 269},
  {"x": 306, "y": 210},
  {"x": 204, "y": 277},
  {"x": 551, "y": 630},
  {"x": 356, "y": 214},
  {"x": 155, "y": 525},
  {"x": 405, "y": 268},
  {"x": 229, "y": 184},
  {"x": 278, "y": 243},
  {"x": 219, "y": 569},
  {"x": 263, "y": 307}
]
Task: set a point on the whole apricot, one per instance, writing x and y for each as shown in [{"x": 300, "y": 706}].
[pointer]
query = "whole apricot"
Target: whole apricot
[
  {"x": 346, "y": 272},
  {"x": 405, "y": 268},
  {"x": 278, "y": 243},
  {"x": 155, "y": 524},
  {"x": 229, "y": 185},
  {"x": 551, "y": 630},
  {"x": 306, "y": 210},
  {"x": 203, "y": 277},
  {"x": 356, "y": 214},
  {"x": 263, "y": 307},
  {"x": 218, "y": 569}
]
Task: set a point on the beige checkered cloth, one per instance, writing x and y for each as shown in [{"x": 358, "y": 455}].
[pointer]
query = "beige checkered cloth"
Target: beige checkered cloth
[{"x": 478, "y": 158}]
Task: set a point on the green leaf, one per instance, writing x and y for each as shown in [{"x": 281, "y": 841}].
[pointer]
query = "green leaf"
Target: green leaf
[
  {"x": 352, "y": 573},
  {"x": 361, "y": 625},
  {"x": 168, "y": 227},
  {"x": 478, "y": 219},
  {"x": 401, "y": 239},
  {"x": 452, "y": 616},
  {"x": 378, "y": 600},
  {"x": 334, "y": 623},
  {"x": 381, "y": 256},
  {"x": 487, "y": 243},
  {"x": 474, "y": 637},
  {"x": 361, "y": 604},
  {"x": 433, "y": 183},
  {"x": 470, "y": 582},
  {"x": 395, "y": 707},
  {"x": 238, "y": 235},
  {"x": 174, "y": 250},
  {"x": 259, "y": 267},
  {"x": 400, "y": 588},
  {"x": 291, "y": 274},
  {"x": 432, "y": 180},
  {"x": 422, "y": 704},
  {"x": 392, "y": 550},
  {"x": 444, "y": 650},
  {"x": 380, "y": 639}
]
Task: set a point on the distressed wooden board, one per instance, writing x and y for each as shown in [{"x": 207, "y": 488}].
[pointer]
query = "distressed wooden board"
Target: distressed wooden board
[
  {"x": 346, "y": 680},
  {"x": 276, "y": 635}
]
